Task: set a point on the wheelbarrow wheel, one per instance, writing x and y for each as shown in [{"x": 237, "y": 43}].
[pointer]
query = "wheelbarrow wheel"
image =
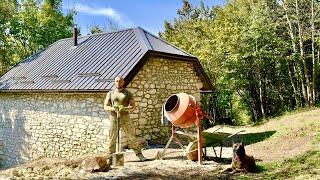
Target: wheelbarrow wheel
[{"x": 192, "y": 151}]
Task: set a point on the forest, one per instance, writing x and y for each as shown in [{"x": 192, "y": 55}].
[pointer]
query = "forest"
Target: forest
[{"x": 262, "y": 56}]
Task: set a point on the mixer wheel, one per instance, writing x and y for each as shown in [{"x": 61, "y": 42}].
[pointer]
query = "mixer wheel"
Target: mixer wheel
[{"x": 192, "y": 151}]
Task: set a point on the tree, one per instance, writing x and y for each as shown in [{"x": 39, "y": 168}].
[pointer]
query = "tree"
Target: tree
[
  {"x": 29, "y": 26},
  {"x": 301, "y": 17},
  {"x": 260, "y": 55},
  {"x": 95, "y": 29},
  {"x": 7, "y": 9}
]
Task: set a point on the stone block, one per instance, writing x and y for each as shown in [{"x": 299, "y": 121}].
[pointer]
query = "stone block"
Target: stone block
[
  {"x": 134, "y": 116},
  {"x": 139, "y": 93},
  {"x": 153, "y": 91},
  {"x": 143, "y": 104},
  {"x": 96, "y": 164},
  {"x": 147, "y": 96}
]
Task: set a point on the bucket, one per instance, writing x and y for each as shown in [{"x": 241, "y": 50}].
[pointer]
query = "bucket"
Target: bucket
[{"x": 180, "y": 110}]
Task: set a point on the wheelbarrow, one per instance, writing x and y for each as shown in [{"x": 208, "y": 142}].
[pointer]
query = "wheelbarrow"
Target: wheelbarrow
[{"x": 210, "y": 139}]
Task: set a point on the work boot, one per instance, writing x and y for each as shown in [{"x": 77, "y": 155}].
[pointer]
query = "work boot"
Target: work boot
[{"x": 141, "y": 157}]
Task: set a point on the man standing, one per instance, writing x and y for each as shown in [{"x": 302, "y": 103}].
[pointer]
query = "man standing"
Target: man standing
[{"x": 121, "y": 101}]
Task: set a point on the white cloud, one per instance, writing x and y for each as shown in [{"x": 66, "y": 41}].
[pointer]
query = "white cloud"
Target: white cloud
[
  {"x": 122, "y": 20},
  {"x": 98, "y": 11}
]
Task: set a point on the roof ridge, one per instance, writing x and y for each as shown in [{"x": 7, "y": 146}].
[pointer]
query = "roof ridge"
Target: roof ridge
[
  {"x": 168, "y": 43},
  {"x": 143, "y": 40},
  {"x": 98, "y": 34}
]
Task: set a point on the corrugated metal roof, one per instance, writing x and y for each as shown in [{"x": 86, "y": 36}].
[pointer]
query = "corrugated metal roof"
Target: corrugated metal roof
[{"x": 90, "y": 66}]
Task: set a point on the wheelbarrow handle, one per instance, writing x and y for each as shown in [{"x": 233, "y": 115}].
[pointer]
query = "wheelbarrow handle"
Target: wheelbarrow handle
[{"x": 235, "y": 133}]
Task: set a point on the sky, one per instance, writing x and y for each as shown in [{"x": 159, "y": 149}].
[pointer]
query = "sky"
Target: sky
[{"x": 148, "y": 14}]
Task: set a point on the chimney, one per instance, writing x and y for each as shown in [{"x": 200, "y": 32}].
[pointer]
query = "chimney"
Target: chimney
[{"x": 75, "y": 35}]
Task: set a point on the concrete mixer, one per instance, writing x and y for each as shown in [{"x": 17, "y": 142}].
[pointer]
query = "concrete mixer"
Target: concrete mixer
[{"x": 183, "y": 111}]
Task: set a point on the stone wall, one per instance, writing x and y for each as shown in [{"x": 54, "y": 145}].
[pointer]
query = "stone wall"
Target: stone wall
[
  {"x": 35, "y": 125},
  {"x": 154, "y": 83},
  {"x": 2, "y": 157},
  {"x": 51, "y": 125}
]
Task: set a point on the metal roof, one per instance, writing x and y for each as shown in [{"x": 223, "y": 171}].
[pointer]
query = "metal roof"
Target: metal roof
[{"x": 92, "y": 65}]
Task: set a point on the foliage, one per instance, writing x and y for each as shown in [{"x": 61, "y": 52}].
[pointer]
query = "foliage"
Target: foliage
[
  {"x": 95, "y": 29},
  {"x": 110, "y": 25},
  {"x": 29, "y": 26},
  {"x": 245, "y": 48}
]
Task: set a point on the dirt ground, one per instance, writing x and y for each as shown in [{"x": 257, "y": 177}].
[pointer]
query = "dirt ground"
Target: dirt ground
[
  {"x": 275, "y": 140},
  {"x": 174, "y": 166}
]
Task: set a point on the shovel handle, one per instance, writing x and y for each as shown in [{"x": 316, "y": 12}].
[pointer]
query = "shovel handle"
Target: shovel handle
[{"x": 118, "y": 134}]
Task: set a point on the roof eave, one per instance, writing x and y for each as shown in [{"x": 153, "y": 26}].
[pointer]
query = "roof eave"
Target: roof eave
[{"x": 52, "y": 91}]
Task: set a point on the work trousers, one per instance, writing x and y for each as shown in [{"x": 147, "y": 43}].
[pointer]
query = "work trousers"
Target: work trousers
[{"x": 127, "y": 125}]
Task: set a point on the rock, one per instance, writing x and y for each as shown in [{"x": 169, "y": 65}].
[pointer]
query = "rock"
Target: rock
[
  {"x": 29, "y": 169},
  {"x": 142, "y": 141},
  {"x": 96, "y": 164},
  {"x": 15, "y": 173},
  {"x": 152, "y": 91},
  {"x": 139, "y": 93},
  {"x": 143, "y": 104},
  {"x": 2, "y": 157},
  {"x": 138, "y": 131},
  {"x": 133, "y": 116},
  {"x": 199, "y": 85}
]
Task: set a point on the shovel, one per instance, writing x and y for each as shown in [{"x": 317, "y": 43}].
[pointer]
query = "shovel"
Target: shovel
[{"x": 118, "y": 156}]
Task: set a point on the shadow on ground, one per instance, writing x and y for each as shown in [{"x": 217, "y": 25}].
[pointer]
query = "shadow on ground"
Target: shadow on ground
[{"x": 221, "y": 160}]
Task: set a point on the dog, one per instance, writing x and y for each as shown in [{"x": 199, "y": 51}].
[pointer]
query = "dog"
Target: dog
[{"x": 240, "y": 161}]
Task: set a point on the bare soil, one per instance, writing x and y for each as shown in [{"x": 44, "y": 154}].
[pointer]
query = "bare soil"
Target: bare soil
[{"x": 274, "y": 140}]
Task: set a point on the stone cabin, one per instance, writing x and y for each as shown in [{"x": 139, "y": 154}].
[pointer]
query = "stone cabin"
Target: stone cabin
[{"x": 51, "y": 104}]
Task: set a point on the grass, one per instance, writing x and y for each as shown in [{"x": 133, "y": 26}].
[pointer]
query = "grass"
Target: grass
[
  {"x": 316, "y": 140},
  {"x": 285, "y": 113},
  {"x": 303, "y": 166},
  {"x": 306, "y": 166},
  {"x": 293, "y": 125}
]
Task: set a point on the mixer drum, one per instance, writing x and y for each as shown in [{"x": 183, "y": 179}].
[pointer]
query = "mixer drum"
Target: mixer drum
[{"x": 179, "y": 109}]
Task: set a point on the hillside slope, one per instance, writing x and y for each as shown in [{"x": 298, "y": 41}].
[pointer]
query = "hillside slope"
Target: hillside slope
[
  {"x": 292, "y": 152},
  {"x": 293, "y": 135}
]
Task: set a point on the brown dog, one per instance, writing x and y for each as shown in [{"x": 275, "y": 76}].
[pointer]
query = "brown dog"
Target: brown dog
[{"x": 240, "y": 161}]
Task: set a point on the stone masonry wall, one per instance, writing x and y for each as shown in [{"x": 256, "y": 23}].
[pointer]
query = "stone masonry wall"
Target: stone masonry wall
[
  {"x": 35, "y": 125},
  {"x": 51, "y": 125},
  {"x": 155, "y": 82},
  {"x": 2, "y": 157}
]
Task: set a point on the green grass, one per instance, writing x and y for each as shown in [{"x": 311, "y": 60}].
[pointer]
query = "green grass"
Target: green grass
[
  {"x": 300, "y": 124},
  {"x": 306, "y": 166},
  {"x": 316, "y": 126},
  {"x": 285, "y": 113},
  {"x": 316, "y": 140}
]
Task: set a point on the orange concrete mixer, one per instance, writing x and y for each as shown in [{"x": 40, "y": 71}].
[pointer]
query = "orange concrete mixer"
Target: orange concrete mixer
[{"x": 181, "y": 110}]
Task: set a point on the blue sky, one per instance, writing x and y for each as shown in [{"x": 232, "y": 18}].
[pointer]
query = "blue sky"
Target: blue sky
[{"x": 148, "y": 14}]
